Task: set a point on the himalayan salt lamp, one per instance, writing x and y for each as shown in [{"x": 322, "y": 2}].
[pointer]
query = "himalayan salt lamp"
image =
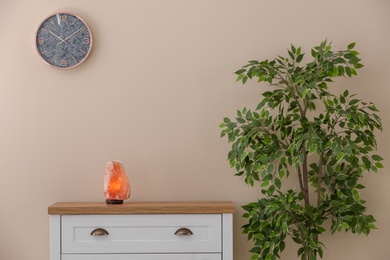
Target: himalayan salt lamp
[{"x": 116, "y": 183}]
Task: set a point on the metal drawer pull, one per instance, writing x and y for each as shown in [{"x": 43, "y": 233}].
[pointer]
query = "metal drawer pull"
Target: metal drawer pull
[
  {"x": 183, "y": 232},
  {"x": 99, "y": 232}
]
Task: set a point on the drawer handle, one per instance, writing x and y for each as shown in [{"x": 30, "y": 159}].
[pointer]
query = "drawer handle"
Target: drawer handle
[
  {"x": 183, "y": 232},
  {"x": 99, "y": 232}
]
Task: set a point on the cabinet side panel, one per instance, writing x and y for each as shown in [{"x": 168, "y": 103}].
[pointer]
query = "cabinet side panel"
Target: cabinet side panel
[
  {"x": 55, "y": 235},
  {"x": 227, "y": 231}
]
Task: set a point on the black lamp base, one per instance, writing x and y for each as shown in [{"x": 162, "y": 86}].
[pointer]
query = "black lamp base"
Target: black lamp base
[{"x": 114, "y": 201}]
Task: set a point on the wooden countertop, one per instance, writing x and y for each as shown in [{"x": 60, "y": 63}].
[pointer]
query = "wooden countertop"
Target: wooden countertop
[{"x": 138, "y": 207}]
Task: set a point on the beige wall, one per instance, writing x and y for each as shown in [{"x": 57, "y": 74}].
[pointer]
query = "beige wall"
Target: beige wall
[{"x": 152, "y": 94}]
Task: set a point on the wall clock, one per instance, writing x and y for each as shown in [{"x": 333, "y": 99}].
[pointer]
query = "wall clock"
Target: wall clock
[{"x": 63, "y": 40}]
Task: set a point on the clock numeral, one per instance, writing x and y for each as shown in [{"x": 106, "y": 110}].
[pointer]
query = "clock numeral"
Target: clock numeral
[
  {"x": 46, "y": 52},
  {"x": 63, "y": 63},
  {"x": 86, "y": 41},
  {"x": 82, "y": 51},
  {"x": 74, "y": 21},
  {"x": 74, "y": 59},
  {"x": 64, "y": 18},
  {"x": 41, "y": 41}
]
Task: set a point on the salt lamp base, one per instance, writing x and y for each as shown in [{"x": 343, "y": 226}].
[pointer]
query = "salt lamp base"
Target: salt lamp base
[{"x": 114, "y": 201}]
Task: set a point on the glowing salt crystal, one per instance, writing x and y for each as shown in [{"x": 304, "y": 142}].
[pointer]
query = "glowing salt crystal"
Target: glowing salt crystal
[{"x": 116, "y": 183}]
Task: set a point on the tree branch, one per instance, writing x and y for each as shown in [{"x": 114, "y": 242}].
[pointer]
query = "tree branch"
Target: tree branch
[
  {"x": 302, "y": 187},
  {"x": 305, "y": 179},
  {"x": 320, "y": 177}
]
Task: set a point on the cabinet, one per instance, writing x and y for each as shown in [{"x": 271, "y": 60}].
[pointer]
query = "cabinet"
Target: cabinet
[{"x": 141, "y": 231}]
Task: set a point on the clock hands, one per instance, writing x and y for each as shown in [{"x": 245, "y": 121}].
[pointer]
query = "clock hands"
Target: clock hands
[
  {"x": 57, "y": 36},
  {"x": 67, "y": 38},
  {"x": 73, "y": 34}
]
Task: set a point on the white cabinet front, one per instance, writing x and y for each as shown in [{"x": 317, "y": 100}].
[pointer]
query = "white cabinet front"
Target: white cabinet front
[
  {"x": 143, "y": 257},
  {"x": 137, "y": 234}
]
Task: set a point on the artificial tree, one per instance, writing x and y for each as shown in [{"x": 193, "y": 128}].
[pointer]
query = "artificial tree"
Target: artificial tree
[{"x": 300, "y": 129}]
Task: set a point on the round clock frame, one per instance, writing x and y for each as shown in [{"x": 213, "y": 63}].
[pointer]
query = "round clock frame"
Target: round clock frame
[{"x": 63, "y": 40}]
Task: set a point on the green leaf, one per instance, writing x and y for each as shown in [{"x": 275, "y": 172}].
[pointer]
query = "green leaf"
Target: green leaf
[
  {"x": 358, "y": 66},
  {"x": 284, "y": 228},
  {"x": 299, "y": 50},
  {"x": 366, "y": 162},
  {"x": 360, "y": 186},
  {"x": 347, "y": 150},
  {"x": 320, "y": 229},
  {"x": 373, "y": 108},
  {"x": 341, "y": 177},
  {"x": 312, "y": 149},
  {"x": 244, "y": 79},
  {"x": 261, "y": 78},
  {"x": 356, "y": 195},
  {"x": 376, "y": 157},
  {"x": 353, "y": 102},
  {"x": 358, "y": 229},
  {"x": 282, "y": 172},
  {"x": 340, "y": 156},
  {"x": 345, "y": 225},
  {"x": 330, "y": 102},
  {"x": 270, "y": 168},
  {"x": 270, "y": 257},
  {"x": 282, "y": 245},
  {"x": 265, "y": 184},
  {"x": 240, "y": 77},
  {"x": 379, "y": 165},
  {"x": 351, "y": 45},
  {"x": 291, "y": 55},
  {"x": 348, "y": 71},
  {"x": 244, "y": 110},
  {"x": 240, "y": 120},
  {"x": 300, "y": 57},
  {"x": 259, "y": 236},
  {"x": 300, "y": 250},
  {"x": 278, "y": 183},
  {"x": 271, "y": 190},
  {"x": 293, "y": 49},
  {"x": 273, "y": 205},
  {"x": 238, "y": 72}
]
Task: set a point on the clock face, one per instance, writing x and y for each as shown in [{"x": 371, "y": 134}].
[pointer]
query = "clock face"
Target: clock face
[{"x": 63, "y": 40}]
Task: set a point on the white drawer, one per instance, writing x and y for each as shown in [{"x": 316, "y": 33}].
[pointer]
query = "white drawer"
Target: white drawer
[
  {"x": 142, "y": 257},
  {"x": 141, "y": 234}
]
